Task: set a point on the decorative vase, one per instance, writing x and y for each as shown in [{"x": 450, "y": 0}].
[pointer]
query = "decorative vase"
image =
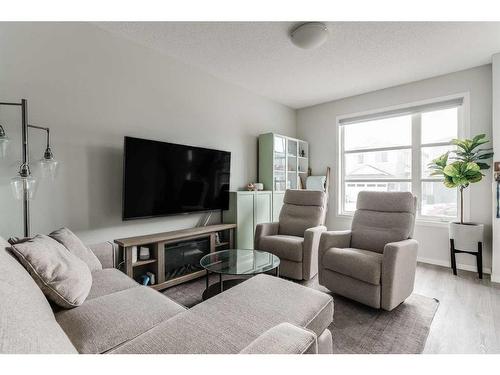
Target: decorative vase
[
  {"x": 466, "y": 236},
  {"x": 258, "y": 186}
]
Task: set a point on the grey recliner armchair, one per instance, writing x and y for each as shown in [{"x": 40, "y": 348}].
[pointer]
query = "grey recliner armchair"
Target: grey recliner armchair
[
  {"x": 295, "y": 238},
  {"x": 374, "y": 263}
]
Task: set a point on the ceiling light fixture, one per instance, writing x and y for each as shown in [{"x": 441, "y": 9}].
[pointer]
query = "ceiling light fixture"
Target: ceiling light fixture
[{"x": 309, "y": 35}]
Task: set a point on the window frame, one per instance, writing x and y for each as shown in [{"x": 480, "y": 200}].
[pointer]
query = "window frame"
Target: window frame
[{"x": 416, "y": 146}]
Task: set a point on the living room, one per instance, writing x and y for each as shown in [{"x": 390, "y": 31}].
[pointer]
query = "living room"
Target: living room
[{"x": 104, "y": 124}]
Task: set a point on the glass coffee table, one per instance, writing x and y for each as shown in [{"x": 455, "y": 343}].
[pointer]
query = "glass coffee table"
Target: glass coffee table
[{"x": 236, "y": 262}]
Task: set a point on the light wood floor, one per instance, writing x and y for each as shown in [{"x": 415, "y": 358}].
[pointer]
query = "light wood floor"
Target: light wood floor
[{"x": 468, "y": 317}]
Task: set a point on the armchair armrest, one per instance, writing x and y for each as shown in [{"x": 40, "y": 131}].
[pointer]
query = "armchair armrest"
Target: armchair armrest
[
  {"x": 310, "y": 251},
  {"x": 334, "y": 238},
  {"x": 339, "y": 238},
  {"x": 399, "y": 264},
  {"x": 106, "y": 252},
  {"x": 264, "y": 229},
  {"x": 285, "y": 338}
]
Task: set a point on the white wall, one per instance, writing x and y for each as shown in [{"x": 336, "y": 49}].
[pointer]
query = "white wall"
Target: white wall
[
  {"x": 317, "y": 125},
  {"x": 495, "y": 275},
  {"x": 92, "y": 88}
]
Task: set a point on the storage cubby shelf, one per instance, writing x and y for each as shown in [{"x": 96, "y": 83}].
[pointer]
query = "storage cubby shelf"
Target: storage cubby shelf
[{"x": 143, "y": 262}]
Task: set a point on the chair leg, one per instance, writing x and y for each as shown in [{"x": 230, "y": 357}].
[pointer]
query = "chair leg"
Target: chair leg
[
  {"x": 480, "y": 259},
  {"x": 452, "y": 255}
]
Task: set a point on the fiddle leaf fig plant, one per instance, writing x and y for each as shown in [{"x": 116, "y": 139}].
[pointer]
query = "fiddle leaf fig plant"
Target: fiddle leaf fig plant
[{"x": 463, "y": 166}]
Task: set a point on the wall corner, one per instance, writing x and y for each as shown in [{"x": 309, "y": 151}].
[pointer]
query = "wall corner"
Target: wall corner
[{"x": 495, "y": 249}]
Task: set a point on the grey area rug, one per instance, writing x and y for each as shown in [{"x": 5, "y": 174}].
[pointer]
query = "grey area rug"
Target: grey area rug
[{"x": 356, "y": 329}]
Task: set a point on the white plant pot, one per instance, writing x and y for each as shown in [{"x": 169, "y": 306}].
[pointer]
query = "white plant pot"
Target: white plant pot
[{"x": 466, "y": 236}]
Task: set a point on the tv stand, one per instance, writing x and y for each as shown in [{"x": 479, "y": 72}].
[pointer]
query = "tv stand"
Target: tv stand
[{"x": 174, "y": 256}]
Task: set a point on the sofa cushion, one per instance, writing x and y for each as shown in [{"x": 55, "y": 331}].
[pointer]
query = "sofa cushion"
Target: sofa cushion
[
  {"x": 304, "y": 197},
  {"x": 372, "y": 230},
  {"x": 360, "y": 264},
  {"x": 284, "y": 247},
  {"x": 27, "y": 323},
  {"x": 386, "y": 201},
  {"x": 109, "y": 281},
  {"x": 103, "y": 323},
  {"x": 285, "y": 338},
  {"x": 108, "y": 254},
  {"x": 381, "y": 218},
  {"x": 71, "y": 242},
  {"x": 294, "y": 220},
  {"x": 301, "y": 210},
  {"x": 230, "y": 321},
  {"x": 64, "y": 278}
]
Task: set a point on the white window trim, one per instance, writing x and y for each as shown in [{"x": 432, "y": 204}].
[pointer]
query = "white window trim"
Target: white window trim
[{"x": 463, "y": 132}]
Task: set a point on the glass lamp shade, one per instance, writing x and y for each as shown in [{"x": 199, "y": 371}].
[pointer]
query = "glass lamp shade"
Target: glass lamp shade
[
  {"x": 4, "y": 143},
  {"x": 24, "y": 185},
  {"x": 48, "y": 168}
]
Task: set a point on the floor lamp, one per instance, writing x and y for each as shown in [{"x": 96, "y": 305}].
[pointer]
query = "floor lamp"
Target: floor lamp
[{"x": 24, "y": 185}]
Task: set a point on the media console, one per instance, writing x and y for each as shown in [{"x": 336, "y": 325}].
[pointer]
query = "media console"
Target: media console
[{"x": 175, "y": 256}]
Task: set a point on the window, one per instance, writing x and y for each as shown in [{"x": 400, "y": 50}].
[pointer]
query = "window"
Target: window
[{"x": 390, "y": 151}]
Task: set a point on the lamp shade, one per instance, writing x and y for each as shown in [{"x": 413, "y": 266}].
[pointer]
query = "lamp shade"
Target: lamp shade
[
  {"x": 24, "y": 186},
  {"x": 48, "y": 165},
  {"x": 4, "y": 142},
  {"x": 48, "y": 168}
]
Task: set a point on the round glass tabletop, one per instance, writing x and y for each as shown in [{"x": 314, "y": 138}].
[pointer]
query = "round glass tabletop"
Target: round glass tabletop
[{"x": 240, "y": 262}]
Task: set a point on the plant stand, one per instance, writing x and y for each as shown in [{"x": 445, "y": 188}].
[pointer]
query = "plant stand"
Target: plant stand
[{"x": 478, "y": 255}]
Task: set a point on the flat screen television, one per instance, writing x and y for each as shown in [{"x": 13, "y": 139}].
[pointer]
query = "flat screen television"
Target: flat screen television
[{"x": 161, "y": 179}]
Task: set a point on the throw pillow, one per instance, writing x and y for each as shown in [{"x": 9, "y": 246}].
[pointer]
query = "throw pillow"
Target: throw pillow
[
  {"x": 14, "y": 240},
  {"x": 75, "y": 246},
  {"x": 63, "y": 278}
]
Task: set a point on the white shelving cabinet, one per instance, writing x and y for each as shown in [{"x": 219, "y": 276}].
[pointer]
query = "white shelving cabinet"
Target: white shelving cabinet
[{"x": 283, "y": 164}]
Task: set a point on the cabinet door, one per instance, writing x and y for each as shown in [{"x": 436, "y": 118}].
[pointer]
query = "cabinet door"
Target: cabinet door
[
  {"x": 263, "y": 208},
  {"x": 245, "y": 221},
  {"x": 277, "y": 203},
  {"x": 292, "y": 164}
]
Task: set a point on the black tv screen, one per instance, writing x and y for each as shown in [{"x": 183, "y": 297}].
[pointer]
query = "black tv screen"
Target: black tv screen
[{"x": 163, "y": 179}]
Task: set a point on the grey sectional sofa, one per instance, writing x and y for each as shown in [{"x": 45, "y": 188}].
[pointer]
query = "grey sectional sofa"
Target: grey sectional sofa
[{"x": 262, "y": 315}]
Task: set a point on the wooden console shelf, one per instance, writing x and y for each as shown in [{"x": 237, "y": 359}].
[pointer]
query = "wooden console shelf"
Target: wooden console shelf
[
  {"x": 158, "y": 245},
  {"x": 143, "y": 262}
]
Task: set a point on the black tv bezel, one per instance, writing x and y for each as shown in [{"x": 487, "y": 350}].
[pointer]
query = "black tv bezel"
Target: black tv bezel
[{"x": 165, "y": 215}]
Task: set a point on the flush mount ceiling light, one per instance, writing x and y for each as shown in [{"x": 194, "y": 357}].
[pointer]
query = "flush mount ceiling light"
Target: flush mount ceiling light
[{"x": 309, "y": 35}]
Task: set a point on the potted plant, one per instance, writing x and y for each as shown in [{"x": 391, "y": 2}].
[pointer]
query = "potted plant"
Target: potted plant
[{"x": 460, "y": 168}]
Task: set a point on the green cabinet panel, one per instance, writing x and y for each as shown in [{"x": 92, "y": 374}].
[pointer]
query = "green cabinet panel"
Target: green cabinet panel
[
  {"x": 263, "y": 204},
  {"x": 246, "y": 210},
  {"x": 244, "y": 220},
  {"x": 277, "y": 203}
]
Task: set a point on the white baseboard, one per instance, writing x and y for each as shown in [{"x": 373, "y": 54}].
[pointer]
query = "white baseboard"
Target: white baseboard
[
  {"x": 495, "y": 278},
  {"x": 444, "y": 263}
]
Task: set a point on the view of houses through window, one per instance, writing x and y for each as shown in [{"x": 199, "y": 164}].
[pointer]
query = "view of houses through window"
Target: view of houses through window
[{"x": 392, "y": 154}]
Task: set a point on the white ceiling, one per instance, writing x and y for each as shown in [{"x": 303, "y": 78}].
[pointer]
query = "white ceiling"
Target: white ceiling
[{"x": 358, "y": 57}]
